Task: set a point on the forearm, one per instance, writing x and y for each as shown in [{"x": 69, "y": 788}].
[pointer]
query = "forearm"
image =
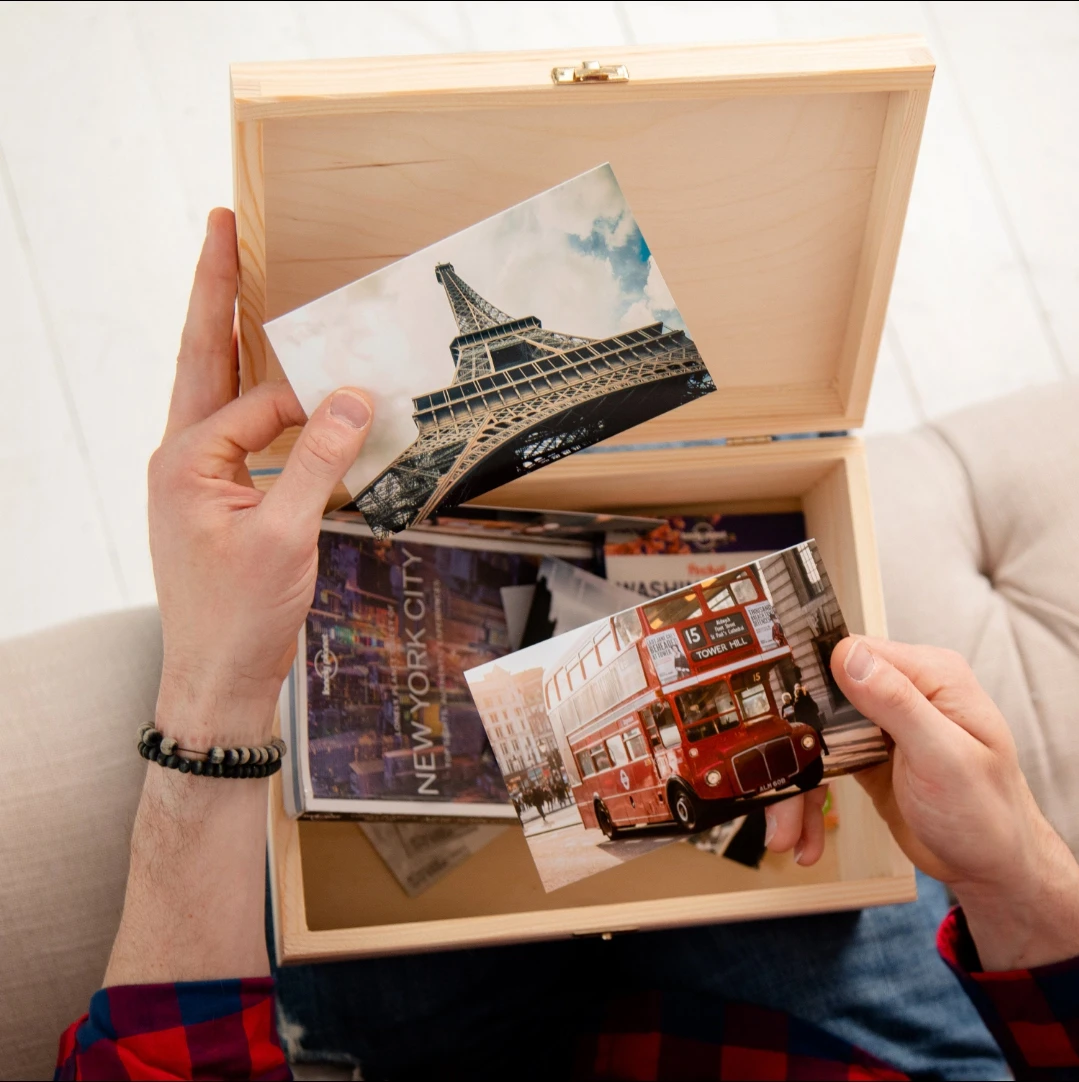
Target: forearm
[
  {"x": 194, "y": 907},
  {"x": 1032, "y": 921}
]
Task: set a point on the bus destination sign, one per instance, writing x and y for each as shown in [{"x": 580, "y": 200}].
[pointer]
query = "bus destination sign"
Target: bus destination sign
[{"x": 719, "y": 636}]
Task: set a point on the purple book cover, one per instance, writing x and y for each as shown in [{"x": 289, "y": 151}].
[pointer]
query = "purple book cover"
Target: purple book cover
[{"x": 381, "y": 717}]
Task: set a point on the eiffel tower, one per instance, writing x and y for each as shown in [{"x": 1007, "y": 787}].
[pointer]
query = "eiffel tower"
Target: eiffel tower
[{"x": 522, "y": 397}]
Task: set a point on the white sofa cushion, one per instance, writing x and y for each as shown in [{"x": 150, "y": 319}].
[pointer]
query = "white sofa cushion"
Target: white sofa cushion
[
  {"x": 71, "y": 699},
  {"x": 977, "y": 520}
]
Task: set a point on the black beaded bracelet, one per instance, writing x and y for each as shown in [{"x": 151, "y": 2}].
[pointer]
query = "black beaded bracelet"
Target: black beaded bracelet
[{"x": 218, "y": 762}]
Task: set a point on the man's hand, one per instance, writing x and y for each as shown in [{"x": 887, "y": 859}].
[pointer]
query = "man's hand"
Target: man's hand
[
  {"x": 956, "y": 801},
  {"x": 235, "y": 568},
  {"x": 235, "y": 572}
]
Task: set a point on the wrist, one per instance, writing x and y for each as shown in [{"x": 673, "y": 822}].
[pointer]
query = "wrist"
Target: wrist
[
  {"x": 201, "y": 713},
  {"x": 1032, "y": 919}
]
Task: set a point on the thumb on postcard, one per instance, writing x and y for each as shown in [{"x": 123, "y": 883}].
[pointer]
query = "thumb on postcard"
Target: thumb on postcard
[
  {"x": 328, "y": 445},
  {"x": 885, "y": 695}
]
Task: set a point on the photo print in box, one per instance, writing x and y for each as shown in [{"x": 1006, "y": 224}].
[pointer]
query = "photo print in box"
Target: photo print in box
[
  {"x": 667, "y": 718},
  {"x": 526, "y": 337}
]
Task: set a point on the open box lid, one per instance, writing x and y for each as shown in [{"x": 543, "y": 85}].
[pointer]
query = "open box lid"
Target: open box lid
[{"x": 771, "y": 182}]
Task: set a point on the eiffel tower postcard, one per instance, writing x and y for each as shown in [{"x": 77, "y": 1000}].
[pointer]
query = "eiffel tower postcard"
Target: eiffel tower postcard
[{"x": 524, "y": 338}]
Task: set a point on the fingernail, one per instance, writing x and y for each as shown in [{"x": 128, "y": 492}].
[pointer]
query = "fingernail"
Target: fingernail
[
  {"x": 859, "y": 663},
  {"x": 798, "y": 849},
  {"x": 351, "y": 409},
  {"x": 769, "y": 825},
  {"x": 209, "y": 222}
]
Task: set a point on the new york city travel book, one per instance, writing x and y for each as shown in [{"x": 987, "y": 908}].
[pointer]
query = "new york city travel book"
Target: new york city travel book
[
  {"x": 376, "y": 708},
  {"x": 524, "y": 338},
  {"x": 674, "y": 715}
]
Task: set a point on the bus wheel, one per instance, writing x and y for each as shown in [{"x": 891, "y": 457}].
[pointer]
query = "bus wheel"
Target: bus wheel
[
  {"x": 811, "y": 777},
  {"x": 686, "y": 808},
  {"x": 606, "y": 823}
]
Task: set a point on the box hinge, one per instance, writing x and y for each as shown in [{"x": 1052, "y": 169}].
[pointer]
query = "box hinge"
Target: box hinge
[{"x": 591, "y": 71}]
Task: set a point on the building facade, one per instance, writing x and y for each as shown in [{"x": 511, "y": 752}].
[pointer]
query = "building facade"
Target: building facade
[
  {"x": 518, "y": 727},
  {"x": 809, "y": 615}
]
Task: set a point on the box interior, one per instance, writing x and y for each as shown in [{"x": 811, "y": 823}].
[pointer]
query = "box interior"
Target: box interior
[
  {"x": 759, "y": 210},
  {"x": 770, "y": 183},
  {"x": 346, "y": 884}
]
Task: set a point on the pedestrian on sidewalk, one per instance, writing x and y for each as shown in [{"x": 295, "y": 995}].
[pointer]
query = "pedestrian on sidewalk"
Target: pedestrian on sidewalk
[{"x": 808, "y": 713}]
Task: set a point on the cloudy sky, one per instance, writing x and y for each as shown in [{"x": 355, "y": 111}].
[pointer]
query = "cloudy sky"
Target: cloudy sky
[{"x": 572, "y": 256}]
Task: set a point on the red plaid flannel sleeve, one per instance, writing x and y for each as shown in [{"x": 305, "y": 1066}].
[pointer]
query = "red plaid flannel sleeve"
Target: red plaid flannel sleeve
[
  {"x": 671, "y": 1036},
  {"x": 197, "y": 1029},
  {"x": 1033, "y": 1014}
]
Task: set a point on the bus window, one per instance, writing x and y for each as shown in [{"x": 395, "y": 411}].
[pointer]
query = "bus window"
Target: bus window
[
  {"x": 547, "y": 693},
  {"x": 568, "y": 714},
  {"x": 619, "y": 755},
  {"x": 600, "y": 758},
  {"x": 672, "y": 610},
  {"x": 559, "y": 679},
  {"x": 717, "y": 596},
  {"x": 584, "y": 761},
  {"x": 744, "y": 589},
  {"x": 659, "y": 722},
  {"x": 754, "y": 700},
  {"x": 635, "y": 744},
  {"x": 712, "y": 701},
  {"x": 608, "y": 648},
  {"x": 590, "y": 662},
  {"x": 628, "y": 627},
  {"x": 650, "y": 725},
  {"x": 670, "y": 735}
]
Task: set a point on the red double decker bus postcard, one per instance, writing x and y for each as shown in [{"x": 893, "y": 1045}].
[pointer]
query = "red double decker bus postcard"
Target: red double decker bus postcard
[{"x": 675, "y": 715}]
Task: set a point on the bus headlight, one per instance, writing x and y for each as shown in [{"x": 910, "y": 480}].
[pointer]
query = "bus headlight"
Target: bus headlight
[
  {"x": 693, "y": 753},
  {"x": 809, "y": 742},
  {"x": 713, "y": 778}
]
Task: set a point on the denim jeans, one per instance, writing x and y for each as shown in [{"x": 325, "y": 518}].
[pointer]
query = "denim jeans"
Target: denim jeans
[{"x": 872, "y": 977}]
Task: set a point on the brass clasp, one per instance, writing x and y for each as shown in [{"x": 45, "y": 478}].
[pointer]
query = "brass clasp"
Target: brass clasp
[{"x": 591, "y": 71}]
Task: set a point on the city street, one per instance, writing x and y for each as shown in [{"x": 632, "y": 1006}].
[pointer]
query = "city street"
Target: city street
[
  {"x": 555, "y": 820},
  {"x": 570, "y": 852},
  {"x": 565, "y": 851}
]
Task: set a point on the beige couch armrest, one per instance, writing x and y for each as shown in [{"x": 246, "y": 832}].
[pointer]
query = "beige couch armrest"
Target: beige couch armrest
[
  {"x": 977, "y": 522},
  {"x": 70, "y": 700}
]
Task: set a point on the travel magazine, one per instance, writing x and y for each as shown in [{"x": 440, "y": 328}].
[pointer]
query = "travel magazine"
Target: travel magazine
[
  {"x": 376, "y": 710},
  {"x": 687, "y": 548}
]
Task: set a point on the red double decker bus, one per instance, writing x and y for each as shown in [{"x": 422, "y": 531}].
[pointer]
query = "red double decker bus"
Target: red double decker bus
[{"x": 668, "y": 710}]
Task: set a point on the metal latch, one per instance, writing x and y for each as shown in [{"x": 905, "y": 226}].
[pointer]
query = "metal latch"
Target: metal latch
[
  {"x": 742, "y": 441},
  {"x": 591, "y": 71},
  {"x": 606, "y": 937}
]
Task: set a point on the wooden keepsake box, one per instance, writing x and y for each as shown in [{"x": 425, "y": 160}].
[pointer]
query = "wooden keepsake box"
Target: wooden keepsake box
[{"x": 771, "y": 182}]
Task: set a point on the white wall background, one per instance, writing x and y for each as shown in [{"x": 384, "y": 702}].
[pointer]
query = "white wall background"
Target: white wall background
[{"x": 114, "y": 143}]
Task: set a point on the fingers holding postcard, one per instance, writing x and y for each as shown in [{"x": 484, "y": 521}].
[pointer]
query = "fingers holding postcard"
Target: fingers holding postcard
[
  {"x": 676, "y": 714},
  {"x": 520, "y": 340}
]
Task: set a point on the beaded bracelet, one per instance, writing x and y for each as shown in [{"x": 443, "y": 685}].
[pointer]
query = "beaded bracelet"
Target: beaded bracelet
[{"x": 218, "y": 762}]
